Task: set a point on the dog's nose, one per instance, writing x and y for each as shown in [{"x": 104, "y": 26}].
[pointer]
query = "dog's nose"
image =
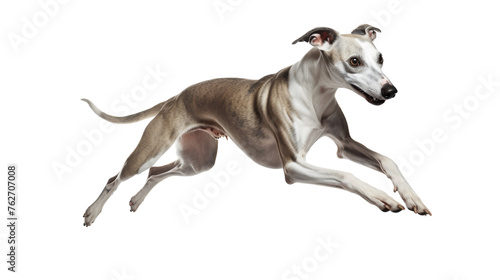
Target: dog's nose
[{"x": 389, "y": 91}]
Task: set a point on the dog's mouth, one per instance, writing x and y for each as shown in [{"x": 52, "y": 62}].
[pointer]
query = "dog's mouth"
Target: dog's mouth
[{"x": 368, "y": 97}]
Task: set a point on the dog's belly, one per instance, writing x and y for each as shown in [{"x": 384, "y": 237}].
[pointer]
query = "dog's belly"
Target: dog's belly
[
  {"x": 260, "y": 147},
  {"x": 264, "y": 153}
]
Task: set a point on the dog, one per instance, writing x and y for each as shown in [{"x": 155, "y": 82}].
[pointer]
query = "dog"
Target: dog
[{"x": 274, "y": 120}]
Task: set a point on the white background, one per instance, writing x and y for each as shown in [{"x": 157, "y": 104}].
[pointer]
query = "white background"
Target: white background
[{"x": 257, "y": 227}]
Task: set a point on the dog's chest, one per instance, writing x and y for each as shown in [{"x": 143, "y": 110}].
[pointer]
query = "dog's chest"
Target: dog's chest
[
  {"x": 307, "y": 133},
  {"x": 308, "y": 129}
]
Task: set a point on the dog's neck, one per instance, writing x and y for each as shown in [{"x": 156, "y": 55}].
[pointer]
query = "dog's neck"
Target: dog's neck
[{"x": 313, "y": 82}]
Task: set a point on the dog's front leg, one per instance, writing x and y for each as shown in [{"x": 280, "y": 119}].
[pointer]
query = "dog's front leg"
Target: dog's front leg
[
  {"x": 338, "y": 131},
  {"x": 302, "y": 172},
  {"x": 352, "y": 150},
  {"x": 357, "y": 152}
]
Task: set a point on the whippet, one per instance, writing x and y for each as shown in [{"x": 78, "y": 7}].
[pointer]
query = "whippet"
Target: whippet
[{"x": 274, "y": 120}]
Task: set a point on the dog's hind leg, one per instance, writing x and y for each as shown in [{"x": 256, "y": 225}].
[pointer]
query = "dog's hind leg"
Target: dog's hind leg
[
  {"x": 158, "y": 136},
  {"x": 197, "y": 151}
]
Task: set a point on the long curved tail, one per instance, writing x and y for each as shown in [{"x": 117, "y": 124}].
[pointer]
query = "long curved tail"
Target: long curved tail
[{"x": 151, "y": 112}]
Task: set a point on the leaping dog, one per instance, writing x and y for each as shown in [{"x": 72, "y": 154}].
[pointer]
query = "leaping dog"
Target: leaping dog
[{"x": 274, "y": 120}]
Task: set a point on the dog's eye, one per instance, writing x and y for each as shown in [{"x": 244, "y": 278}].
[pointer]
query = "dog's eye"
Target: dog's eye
[
  {"x": 380, "y": 59},
  {"x": 355, "y": 62}
]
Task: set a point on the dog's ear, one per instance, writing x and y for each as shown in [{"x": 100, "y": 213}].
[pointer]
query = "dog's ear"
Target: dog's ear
[
  {"x": 320, "y": 37},
  {"x": 367, "y": 31}
]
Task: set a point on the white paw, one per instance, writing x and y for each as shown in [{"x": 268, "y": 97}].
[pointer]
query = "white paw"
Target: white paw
[
  {"x": 413, "y": 202},
  {"x": 386, "y": 203},
  {"x": 383, "y": 201}
]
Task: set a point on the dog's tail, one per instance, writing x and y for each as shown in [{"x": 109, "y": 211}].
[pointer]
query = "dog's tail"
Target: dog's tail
[{"x": 151, "y": 112}]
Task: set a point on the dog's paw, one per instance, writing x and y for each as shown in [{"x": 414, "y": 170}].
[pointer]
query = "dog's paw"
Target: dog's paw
[
  {"x": 134, "y": 203},
  {"x": 413, "y": 202},
  {"x": 385, "y": 203},
  {"x": 91, "y": 214}
]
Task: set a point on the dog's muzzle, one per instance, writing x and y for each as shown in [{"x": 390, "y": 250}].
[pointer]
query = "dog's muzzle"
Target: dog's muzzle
[
  {"x": 388, "y": 91},
  {"x": 368, "y": 97}
]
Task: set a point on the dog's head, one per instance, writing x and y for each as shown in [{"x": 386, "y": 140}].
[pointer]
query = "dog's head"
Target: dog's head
[{"x": 355, "y": 58}]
